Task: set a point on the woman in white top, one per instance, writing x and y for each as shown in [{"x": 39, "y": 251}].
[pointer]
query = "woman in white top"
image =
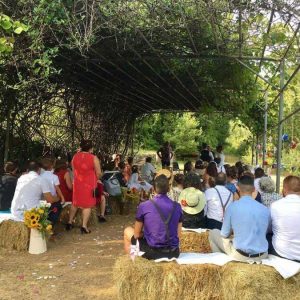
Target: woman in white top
[{"x": 135, "y": 182}]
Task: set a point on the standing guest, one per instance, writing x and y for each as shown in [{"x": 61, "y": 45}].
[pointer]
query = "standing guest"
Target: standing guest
[
  {"x": 220, "y": 155},
  {"x": 188, "y": 168},
  {"x": 8, "y": 184},
  {"x": 158, "y": 225},
  {"x": 258, "y": 174},
  {"x": 165, "y": 153},
  {"x": 148, "y": 170},
  {"x": 205, "y": 153},
  {"x": 285, "y": 214},
  {"x": 127, "y": 170},
  {"x": 177, "y": 188},
  {"x": 30, "y": 190},
  {"x": 268, "y": 194},
  {"x": 65, "y": 181},
  {"x": 210, "y": 175},
  {"x": 53, "y": 181},
  {"x": 248, "y": 221},
  {"x": 87, "y": 171},
  {"x": 192, "y": 202},
  {"x": 218, "y": 199}
]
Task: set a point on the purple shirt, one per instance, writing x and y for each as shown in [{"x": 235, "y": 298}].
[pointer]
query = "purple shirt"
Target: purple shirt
[{"x": 154, "y": 228}]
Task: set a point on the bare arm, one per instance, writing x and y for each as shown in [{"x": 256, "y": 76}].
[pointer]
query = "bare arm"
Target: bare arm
[
  {"x": 97, "y": 167},
  {"x": 68, "y": 180},
  {"x": 138, "y": 226},
  {"x": 49, "y": 198},
  {"x": 159, "y": 154},
  {"x": 59, "y": 193}
]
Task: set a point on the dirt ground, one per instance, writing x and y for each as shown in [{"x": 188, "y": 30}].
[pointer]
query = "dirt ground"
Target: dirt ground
[{"x": 74, "y": 267}]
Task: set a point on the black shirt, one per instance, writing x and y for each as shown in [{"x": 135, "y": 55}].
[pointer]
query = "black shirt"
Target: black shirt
[{"x": 7, "y": 190}]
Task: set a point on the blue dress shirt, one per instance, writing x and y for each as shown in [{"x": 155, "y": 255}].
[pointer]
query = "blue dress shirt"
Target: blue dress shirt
[{"x": 249, "y": 222}]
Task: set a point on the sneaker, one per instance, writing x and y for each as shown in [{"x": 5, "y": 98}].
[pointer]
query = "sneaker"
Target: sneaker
[{"x": 101, "y": 219}]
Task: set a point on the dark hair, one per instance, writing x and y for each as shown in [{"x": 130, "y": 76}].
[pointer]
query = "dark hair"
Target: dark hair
[
  {"x": 121, "y": 165},
  {"x": 221, "y": 179},
  {"x": 212, "y": 169},
  {"x": 130, "y": 160},
  {"x": 47, "y": 163},
  {"x": 134, "y": 169},
  {"x": 217, "y": 160},
  {"x": 219, "y": 148},
  {"x": 9, "y": 167},
  {"x": 192, "y": 180},
  {"x": 161, "y": 184},
  {"x": 199, "y": 164},
  {"x": 188, "y": 167},
  {"x": 227, "y": 167},
  {"x": 179, "y": 178},
  {"x": 232, "y": 172},
  {"x": 86, "y": 145},
  {"x": 33, "y": 166},
  {"x": 259, "y": 172},
  {"x": 239, "y": 164},
  {"x": 148, "y": 159},
  {"x": 60, "y": 164},
  {"x": 246, "y": 180}
]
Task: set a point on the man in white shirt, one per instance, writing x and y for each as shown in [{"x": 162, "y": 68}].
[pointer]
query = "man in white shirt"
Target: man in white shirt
[
  {"x": 217, "y": 201},
  {"x": 285, "y": 214},
  {"x": 30, "y": 190},
  {"x": 148, "y": 171}
]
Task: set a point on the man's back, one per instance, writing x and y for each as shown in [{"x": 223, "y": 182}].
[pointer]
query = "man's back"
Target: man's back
[
  {"x": 285, "y": 215},
  {"x": 249, "y": 221},
  {"x": 7, "y": 189},
  {"x": 52, "y": 180}
]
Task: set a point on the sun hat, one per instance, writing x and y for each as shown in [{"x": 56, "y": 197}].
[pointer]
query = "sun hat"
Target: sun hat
[
  {"x": 165, "y": 172},
  {"x": 192, "y": 200}
]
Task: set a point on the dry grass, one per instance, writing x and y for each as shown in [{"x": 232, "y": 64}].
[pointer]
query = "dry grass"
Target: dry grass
[
  {"x": 194, "y": 242},
  {"x": 14, "y": 235}
]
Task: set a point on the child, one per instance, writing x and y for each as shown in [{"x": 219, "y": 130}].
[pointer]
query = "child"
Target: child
[
  {"x": 158, "y": 225},
  {"x": 53, "y": 181},
  {"x": 177, "y": 189}
]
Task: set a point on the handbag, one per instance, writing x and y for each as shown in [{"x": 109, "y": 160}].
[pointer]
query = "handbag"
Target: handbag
[{"x": 112, "y": 186}]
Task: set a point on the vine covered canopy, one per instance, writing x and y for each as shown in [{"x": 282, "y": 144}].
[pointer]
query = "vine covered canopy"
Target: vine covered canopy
[{"x": 107, "y": 62}]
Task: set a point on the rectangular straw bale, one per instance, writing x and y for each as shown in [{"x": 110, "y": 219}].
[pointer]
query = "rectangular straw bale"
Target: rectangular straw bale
[
  {"x": 64, "y": 216},
  {"x": 194, "y": 242}
]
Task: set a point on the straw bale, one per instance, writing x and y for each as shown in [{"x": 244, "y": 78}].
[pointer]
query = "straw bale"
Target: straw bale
[
  {"x": 259, "y": 282},
  {"x": 119, "y": 207},
  {"x": 64, "y": 217},
  {"x": 147, "y": 280},
  {"x": 194, "y": 242},
  {"x": 14, "y": 235}
]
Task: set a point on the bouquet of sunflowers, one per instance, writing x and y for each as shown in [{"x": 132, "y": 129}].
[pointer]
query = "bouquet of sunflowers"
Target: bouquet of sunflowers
[
  {"x": 131, "y": 195},
  {"x": 37, "y": 218}
]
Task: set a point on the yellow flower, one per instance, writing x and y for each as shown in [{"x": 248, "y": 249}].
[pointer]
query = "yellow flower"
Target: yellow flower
[
  {"x": 34, "y": 224},
  {"x": 27, "y": 215},
  {"x": 49, "y": 227},
  {"x": 41, "y": 211}
]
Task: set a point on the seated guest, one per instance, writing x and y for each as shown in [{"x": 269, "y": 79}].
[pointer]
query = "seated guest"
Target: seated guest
[
  {"x": 192, "y": 202},
  {"x": 120, "y": 174},
  {"x": 8, "y": 184},
  {"x": 30, "y": 190},
  {"x": 177, "y": 188},
  {"x": 148, "y": 171},
  {"x": 158, "y": 224},
  {"x": 128, "y": 167},
  {"x": 231, "y": 184},
  {"x": 268, "y": 194},
  {"x": 248, "y": 221},
  {"x": 210, "y": 175},
  {"x": 218, "y": 199},
  {"x": 285, "y": 214},
  {"x": 188, "y": 168},
  {"x": 136, "y": 182},
  {"x": 256, "y": 194},
  {"x": 258, "y": 174},
  {"x": 200, "y": 168}
]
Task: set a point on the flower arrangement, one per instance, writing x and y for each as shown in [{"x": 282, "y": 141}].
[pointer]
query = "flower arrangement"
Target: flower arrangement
[{"x": 37, "y": 218}]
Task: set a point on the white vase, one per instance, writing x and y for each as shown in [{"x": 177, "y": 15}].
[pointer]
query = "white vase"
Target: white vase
[{"x": 37, "y": 244}]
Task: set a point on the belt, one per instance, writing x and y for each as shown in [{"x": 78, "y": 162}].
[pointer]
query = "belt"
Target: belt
[
  {"x": 164, "y": 249},
  {"x": 249, "y": 255}
]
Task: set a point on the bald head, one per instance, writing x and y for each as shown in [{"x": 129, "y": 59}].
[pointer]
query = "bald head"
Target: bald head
[{"x": 291, "y": 185}]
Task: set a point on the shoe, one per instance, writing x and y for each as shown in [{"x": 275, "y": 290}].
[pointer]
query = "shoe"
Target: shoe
[
  {"x": 101, "y": 219},
  {"x": 69, "y": 227},
  {"x": 84, "y": 230}
]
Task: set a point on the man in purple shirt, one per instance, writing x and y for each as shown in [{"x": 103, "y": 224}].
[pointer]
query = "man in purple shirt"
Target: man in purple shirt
[{"x": 158, "y": 223}]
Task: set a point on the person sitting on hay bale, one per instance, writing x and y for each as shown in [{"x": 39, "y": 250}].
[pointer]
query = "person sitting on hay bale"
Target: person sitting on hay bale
[
  {"x": 135, "y": 181},
  {"x": 192, "y": 202},
  {"x": 268, "y": 195},
  {"x": 30, "y": 190},
  {"x": 218, "y": 199},
  {"x": 148, "y": 170},
  {"x": 248, "y": 220},
  {"x": 161, "y": 219},
  {"x": 178, "y": 188},
  {"x": 285, "y": 214}
]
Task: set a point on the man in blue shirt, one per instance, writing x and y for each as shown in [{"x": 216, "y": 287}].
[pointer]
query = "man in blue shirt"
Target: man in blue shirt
[{"x": 248, "y": 221}]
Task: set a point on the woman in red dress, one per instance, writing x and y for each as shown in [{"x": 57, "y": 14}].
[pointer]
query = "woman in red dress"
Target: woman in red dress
[
  {"x": 87, "y": 171},
  {"x": 65, "y": 182}
]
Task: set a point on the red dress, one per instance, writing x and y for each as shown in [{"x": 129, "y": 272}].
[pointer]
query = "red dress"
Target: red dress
[
  {"x": 85, "y": 180},
  {"x": 63, "y": 185}
]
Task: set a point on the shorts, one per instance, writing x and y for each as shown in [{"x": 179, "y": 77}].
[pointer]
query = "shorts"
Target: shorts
[
  {"x": 165, "y": 163},
  {"x": 155, "y": 253}
]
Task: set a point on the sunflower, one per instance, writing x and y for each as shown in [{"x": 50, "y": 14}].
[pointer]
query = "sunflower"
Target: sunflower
[
  {"x": 41, "y": 211},
  {"x": 27, "y": 215},
  {"x": 34, "y": 223},
  {"x": 49, "y": 227}
]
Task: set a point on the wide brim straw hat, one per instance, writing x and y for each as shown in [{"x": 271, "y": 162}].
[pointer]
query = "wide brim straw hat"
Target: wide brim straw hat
[
  {"x": 165, "y": 172},
  {"x": 192, "y": 201}
]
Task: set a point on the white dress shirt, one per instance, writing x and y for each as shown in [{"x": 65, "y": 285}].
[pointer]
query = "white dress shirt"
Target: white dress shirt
[
  {"x": 256, "y": 185},
  {"x": 29, "y": 191},
  {"x": 213, "y": 207},
  {"x": 285, "y": 214},
  {"x": 52, "y": 180}
]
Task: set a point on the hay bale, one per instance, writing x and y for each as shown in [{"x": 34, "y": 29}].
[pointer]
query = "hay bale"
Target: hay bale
[
  {"x": 194, "y": 242},
  {"x": 259, "y": 282},
  {"x": 64, "y": 217},
  {"x": 147, "y": 280},
  {"x": 14, "y": 235},
  {"x": 119, "y": 207}
]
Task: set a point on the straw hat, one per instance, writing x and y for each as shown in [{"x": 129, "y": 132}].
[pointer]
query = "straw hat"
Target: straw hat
[
  {"x": 192, "y": 201},
  {"x": 165, "y": 172}
]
